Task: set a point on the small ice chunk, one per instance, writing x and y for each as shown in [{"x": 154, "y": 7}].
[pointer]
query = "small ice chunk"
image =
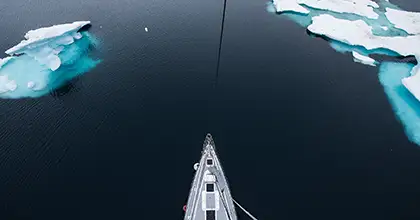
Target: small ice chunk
[
  {"x": 405, "y": 20},
  {"x": 77, "y": 35},
  {"x": 31, "y": 84},
  {"x": 359, "y": 7},
  {"x": 11, "y": 85},
  {"x": 37, "y": 86},
  {"x": 357, "y": 57},
  {"x": 146, "y": 29},
  {"x": 64, "y": 40},
  {"x": 385, "y": 28},
  {"x": 52, "y": 61},
  {"x": 58, "y": 49},
  {"x": 7, "y": 85},
  {"x": 289, "y": 6}
]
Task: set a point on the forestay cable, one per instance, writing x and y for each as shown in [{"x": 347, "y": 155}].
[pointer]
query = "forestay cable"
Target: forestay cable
[
  {"x": 221, "y": 39},
  {"x": 243, "y": 209}
]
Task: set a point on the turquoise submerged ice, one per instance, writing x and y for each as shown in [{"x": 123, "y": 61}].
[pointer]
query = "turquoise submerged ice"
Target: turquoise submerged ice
[
  {"x": 365, "y": 27},
  {"x": 405, "y": 105},
  {"x": 47, "y": 59}
]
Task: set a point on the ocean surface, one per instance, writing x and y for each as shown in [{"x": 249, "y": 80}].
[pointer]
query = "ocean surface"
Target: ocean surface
[{"x": 302, "y": 131}]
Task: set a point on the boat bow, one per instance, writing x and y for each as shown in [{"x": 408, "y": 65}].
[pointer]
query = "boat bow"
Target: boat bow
[{"x": 210, "y": 197}]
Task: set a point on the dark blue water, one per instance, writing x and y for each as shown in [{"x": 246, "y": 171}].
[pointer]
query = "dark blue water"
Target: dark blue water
[{"x": 302, "y": 131}]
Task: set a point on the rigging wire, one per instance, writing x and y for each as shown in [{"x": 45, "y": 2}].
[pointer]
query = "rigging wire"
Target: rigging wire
[
  {"x": 221, "y": 39},
  {"x": 243, "y": 209}
]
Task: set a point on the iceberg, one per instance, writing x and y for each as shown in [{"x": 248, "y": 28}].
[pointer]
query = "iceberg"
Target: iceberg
[
  {"x": 45, "y": 44},
  {"x": 45, "y": 60},
  {"x": 357, "y": 57}
]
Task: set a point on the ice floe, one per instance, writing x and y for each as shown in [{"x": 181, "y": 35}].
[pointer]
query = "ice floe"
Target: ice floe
[
  {"x": 357, "y": 57},
  {"x": 405, "y": 20},
  {"x": 362, "y": 27},
  {"x": 358, "y": 7},
  {"x": 359, "y": 33},
  {"x": 289, "y": 6}
]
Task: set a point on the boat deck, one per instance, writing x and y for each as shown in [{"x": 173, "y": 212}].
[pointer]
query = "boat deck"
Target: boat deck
[{"x": 210, "y": 197}]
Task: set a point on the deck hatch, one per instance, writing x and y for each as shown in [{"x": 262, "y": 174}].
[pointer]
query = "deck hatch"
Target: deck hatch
[
  {"x": 210, "y": 187},
  {"x": 210, "y": 215}
]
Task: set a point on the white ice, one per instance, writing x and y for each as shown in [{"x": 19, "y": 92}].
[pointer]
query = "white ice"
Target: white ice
[
  {"x": 77, "y": 35},
  {"x": 6, "y": 84},
  {"x": 45, "y": 44},
  {"x": 362, "y": 41},
  {"x": 412, "y": 83},
  {"x": 31, "y": 84},
  {"x": 358, "y": 7},
  {"x": 5, "y": 61},
  {"x": 289, "y": 6},
  {"x": 405, "y": 20},
  {"x": 358, "y": 33},
  {"x": 357, "y": 57}
]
